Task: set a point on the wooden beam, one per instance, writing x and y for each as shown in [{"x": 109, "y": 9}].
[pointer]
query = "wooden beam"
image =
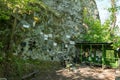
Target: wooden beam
[{"x": 30, "y": 75}]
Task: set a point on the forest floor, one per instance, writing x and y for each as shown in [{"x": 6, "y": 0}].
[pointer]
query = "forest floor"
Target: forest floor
[{"x": 79, "y": 73}]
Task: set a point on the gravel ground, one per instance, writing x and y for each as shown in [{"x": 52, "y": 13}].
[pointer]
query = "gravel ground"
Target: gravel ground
[
  {"x": 117, "y": 75},
  {"x": 79, "y": 73}
]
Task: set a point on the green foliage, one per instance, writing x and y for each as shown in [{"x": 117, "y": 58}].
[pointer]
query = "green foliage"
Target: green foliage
[
  {"x": 19, "y": 67},
  {"x": 112, "y": 9},
  {"x": 12, "y": 31},
  {"x": 96, "y": 32},
  {"x": 4, "y": 13},
  {"x": 11, "y": 15},
  {"x": 1, "y": 45},
  {"x": 10, "y": 7},
  {"x": 102, "y": 33}
]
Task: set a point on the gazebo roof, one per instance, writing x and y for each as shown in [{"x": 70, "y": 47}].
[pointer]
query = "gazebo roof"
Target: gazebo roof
[{"x": 94, "y": 43}]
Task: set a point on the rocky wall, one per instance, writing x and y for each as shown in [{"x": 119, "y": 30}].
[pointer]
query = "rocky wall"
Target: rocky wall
[{"x": 57, "y": 36}]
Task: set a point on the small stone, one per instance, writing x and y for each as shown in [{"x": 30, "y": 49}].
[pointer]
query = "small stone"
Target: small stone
[{"x": 101, "y": 76}]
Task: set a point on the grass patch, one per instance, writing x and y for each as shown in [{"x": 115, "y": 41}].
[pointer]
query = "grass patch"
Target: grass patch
[{"x": 19, "y": 67}]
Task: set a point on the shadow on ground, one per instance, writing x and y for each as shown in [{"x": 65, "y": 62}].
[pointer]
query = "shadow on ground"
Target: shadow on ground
[{"x": 77, "y": 73}]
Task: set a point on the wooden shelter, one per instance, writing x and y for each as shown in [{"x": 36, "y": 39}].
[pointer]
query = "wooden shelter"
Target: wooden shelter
[{"x": 97, "y": 53}]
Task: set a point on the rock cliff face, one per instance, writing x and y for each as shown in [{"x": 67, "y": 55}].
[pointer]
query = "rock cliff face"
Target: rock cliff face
[
  {"x": 59, "y": 33},
  {"x": 71, "y": 16}
]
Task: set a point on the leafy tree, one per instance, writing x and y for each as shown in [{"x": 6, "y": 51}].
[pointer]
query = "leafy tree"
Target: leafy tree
[
  {"x": 95, "y": 32},
  {"x": 13, "y": 15},
  {"x": 113, "y": 27}
]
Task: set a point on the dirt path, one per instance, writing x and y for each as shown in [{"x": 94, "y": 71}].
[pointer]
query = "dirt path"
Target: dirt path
[
  {"x": 78, "y": 73},
  {"x": 117, "y": 75}
]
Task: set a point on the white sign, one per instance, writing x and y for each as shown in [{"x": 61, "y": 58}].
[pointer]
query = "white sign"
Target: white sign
[
  {"x": 68, "y": 36},
  {"x": 72, "y": 42},
  {"x": 50, "y": 35},
  {"x": 66, "y": 45},
  {"x": 55, "y": 44},
  {"x": 45, "y": 38},
  {"x": 41, "y": 33},
  {"x": 26, "y": 25}
]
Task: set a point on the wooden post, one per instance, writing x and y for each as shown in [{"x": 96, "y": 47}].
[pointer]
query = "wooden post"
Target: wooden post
[
  {"x": 81, "y": 52},
  {"x": 91, "y": 54},
  {"x": 103, "y": 56},
  {"x": 90, "y": 51}
]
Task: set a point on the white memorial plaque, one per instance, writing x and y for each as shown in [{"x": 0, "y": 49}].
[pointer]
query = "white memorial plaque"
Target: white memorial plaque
[
  {"x": 46, "y": 36},
  {"x": 72, "y": 42},
  {"x": 66, "y": 45},
  {"x": 41, "y": 33},
  {"x": 55, "y": 44},
  {"x": 50, "y": 35},
  {"x": 26, "y": 26},
  {"x": 68, "y": 36}
]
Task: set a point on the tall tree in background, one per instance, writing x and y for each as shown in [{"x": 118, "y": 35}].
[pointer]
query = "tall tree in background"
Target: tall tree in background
[
  {"x": 113, "y": 14},
  {"x": 113, "y": 19}
]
